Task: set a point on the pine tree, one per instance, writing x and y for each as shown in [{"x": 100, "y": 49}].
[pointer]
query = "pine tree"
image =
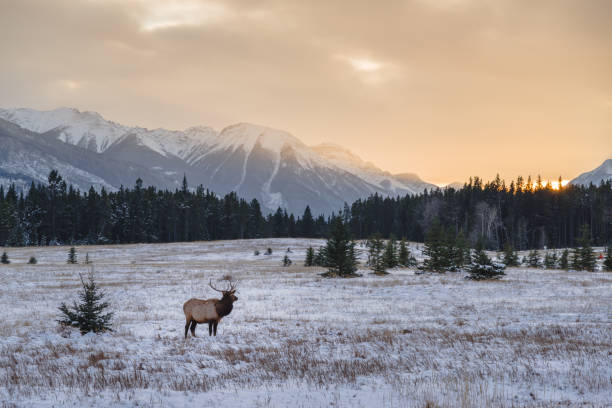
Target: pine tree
[
  {"x": 89, "y": 315},
  {"x": 533, "y": 259},
  {"x": 564, "y": 260},
  {"x": 550, "y": 260},
  {"x": 286, "y": 260},
  {"x": 510, "y": 256},
  {"x": 482, "y": 267},
  {"x": 320, "y": 258},
  {"x": 4, "y": 259},
  {"x": 461, "y": 255},
  {"x": 268, "y": 251},
  {"x": 435, "y": 249},
  {"x": 587, "y": 256},
  {"x": 310, "y": 257},
  {"x": 72, "y": 256},
  {"x": 576, "y": 261},
  {"x": 376, "y": 259},
  {"x": 390, "y": 254},
  {"x": 405, "y": 258},
  {"x": 607, "y": 263},
  {"x": 32, "y": 260},
  {"x": 340, "y": 251}
]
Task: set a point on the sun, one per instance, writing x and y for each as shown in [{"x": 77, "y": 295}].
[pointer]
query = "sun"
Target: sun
[{"x": 555, "y": 184}]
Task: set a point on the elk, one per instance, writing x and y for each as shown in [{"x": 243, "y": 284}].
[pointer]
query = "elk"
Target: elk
[{"x": 209, "y": 310}]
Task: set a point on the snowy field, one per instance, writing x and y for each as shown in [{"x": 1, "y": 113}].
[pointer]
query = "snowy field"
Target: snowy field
[{"x": 535, "y": 338}]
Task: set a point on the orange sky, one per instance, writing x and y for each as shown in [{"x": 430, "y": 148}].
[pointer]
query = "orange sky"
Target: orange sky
[{"x": 443, "y": 88}]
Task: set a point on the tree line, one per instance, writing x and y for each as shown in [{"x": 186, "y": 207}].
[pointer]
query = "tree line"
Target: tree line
[{"x": 524, "y": 214}]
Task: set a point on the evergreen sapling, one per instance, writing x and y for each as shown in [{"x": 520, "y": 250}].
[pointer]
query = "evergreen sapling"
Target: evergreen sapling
[
  {"x": 90, "y": 314},
  {"x": 310, "y": 257},
  {"x": 482, "y": 267},
  {"x": 72, "y": 256}
]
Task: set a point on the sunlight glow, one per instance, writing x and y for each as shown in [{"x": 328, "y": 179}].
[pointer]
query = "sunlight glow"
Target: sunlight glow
[
  {"x": 167, "y": 14},
  {"x": 555, "y": 184},
  {"x": 365, "y": 65}
]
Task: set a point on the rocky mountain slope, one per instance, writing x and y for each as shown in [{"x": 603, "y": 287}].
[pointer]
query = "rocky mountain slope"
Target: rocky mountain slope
[{"x": 258, "y": 162}]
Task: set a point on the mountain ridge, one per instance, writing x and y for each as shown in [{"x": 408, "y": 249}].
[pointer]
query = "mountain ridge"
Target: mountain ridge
[{"x": 256, "y": 161}]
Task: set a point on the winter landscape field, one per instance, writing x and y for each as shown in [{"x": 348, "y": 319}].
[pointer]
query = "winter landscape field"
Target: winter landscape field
[{"x": 535, "y": 338}]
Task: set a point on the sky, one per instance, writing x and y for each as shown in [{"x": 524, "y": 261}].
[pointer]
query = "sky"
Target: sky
[{"x": 447, "y": 89}]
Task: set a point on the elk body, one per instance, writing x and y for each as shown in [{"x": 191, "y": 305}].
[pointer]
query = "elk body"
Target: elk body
[{"x": 209, "y": 311}]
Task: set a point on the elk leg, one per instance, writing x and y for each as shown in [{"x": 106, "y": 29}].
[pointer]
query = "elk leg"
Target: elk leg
[
  {"x": 210, "y": 327},
  {"x": 215, "y": 328},
  {"x": 187, "y": 327},
  {"x": 193, "y": 326}
]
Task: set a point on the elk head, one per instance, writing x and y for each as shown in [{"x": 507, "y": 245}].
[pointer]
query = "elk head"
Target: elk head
[{"x": 228, "y": 293}]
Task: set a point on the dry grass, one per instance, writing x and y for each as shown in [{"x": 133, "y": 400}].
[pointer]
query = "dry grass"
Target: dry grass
[{"x": 434, "y": 340}]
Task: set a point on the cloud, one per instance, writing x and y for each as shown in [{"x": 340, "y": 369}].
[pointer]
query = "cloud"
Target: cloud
[
  {"x": 399, "y": 82},
  {"x": 162, "y": 14}
]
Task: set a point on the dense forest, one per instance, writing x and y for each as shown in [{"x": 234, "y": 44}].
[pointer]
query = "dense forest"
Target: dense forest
[{"x": 524, "y": 214}]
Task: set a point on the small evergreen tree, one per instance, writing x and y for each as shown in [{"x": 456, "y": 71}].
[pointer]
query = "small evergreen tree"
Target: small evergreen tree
[
  {"x": 460, "y": 255},
  {"x": 89, "y": 315},
  {"x": 268, "y": 251},
  {"x": 310, "y": 257},
  {"x": 376, "y": 259},
  {"x": 5, "y": 259},
  {"x": 510, "y": 257},
  {"x": 256, "y": 252},
  {"x": 576, "y": 261},
  {"x": 286, "y": 260},
  {"x": 482, "y": 267},
  {"x": 564, "y": 260},
  {"x": 320, "y": 258},
  {"x": 340, "y": 256},
  {"x": 404, "y": 257},
  {"x": 550, "y": 260},
  {"x": 390, "y": 254},
  {"x": 588, "y": 259},
  {"x": 607, "y": 263},
  {"x": 435, "y": 249},
  {"x": 533, "y": 259},
  {"x": 72, "y": 256},
  {"x": 32, "y": 260}
]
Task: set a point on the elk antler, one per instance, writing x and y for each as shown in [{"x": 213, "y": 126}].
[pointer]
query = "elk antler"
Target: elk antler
[{"x": 211, "y": 285}]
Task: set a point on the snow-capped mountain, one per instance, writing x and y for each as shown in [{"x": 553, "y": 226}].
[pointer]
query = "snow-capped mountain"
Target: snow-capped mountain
[
  {"x": 601, "y": 173},
  {"x": 258, "y": 162}
]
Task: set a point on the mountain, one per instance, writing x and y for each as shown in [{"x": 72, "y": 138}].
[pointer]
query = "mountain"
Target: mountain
[
  {"x": 601, "y": 173},
  {"x": 258, "y": 162}
]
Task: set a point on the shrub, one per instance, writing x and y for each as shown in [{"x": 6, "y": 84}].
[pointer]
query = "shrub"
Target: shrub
[
  {"x": 72, "y": 256},
  {"x": 256, "y": 252},
  {"x": 286, "y": 261},
  {"x": 4, "y": 259},
  {"x": 268, "y": 251},
  {"x": 32, "y": 261},
  {"x": 482, "y": 267}
]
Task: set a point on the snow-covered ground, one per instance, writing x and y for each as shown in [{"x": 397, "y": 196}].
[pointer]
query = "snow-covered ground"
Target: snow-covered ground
[{"x": 534, "y": 338}]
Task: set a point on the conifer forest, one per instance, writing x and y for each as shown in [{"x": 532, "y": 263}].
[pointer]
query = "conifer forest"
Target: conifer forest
[{"x": 523, "y": 214}]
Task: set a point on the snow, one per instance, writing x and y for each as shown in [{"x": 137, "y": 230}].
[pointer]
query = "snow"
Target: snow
[
  {"x": 347, "y": 161},
  {"x": 193, "y": 145},
  {"x": 533, "y": 338},
  {"x": 596, "y": 176},
  {"x": 78, "y": 128}
]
